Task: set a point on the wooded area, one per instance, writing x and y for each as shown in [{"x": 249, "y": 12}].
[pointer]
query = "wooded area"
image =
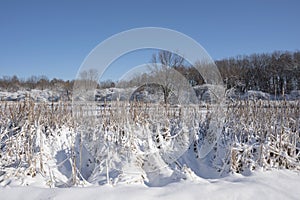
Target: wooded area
[{"x": 275, "y": 73}]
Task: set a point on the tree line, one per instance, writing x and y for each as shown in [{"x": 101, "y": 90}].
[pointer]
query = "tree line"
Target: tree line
[
  {"x": 275, "y": 73},
  {"x": 13, "y": 83}
]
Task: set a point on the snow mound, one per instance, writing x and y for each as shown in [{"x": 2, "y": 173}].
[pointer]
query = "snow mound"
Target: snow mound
[
  {"x": 35, "y": 95},
  {"x": 260, "y": 185}
]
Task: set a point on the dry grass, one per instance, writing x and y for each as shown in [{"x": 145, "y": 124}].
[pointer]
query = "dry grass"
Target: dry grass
[
  {"x": 263, "y": 134},
  {"x": 257, "y": 134}
]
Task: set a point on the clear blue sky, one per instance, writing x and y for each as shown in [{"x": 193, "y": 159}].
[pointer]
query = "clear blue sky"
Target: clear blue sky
[{"x": 52, "y": 38}]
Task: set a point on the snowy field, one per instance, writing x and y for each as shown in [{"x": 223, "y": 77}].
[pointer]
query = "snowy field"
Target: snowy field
[
  {"x": 276, "y": 184},
  {"x": 147, "y": 151}
]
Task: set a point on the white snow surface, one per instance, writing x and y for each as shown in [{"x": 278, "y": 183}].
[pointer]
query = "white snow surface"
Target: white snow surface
[{"x": 275, "y": 184}]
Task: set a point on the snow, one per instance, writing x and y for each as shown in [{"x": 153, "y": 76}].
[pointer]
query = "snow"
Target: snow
[
  {"x": 160, "y": 165},
  {"x": 203, "y": 92},
  {"x": 276, "y": 184},
  {"x": 36, "y": 95}
]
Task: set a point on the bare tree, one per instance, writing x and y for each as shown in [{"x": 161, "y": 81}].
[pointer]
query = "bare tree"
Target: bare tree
[
  {"x": 31, "y": 82},
  {"x": 163, "y": 70},
  {"x": 89, "y": 78},
  {"x": 43, "y": 82}
]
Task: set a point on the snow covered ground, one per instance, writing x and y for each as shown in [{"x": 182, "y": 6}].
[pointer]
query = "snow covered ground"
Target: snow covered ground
[
  {"x": 36, "y": 95},
  {"x": 276, "y": 184},
  {"x": 118, "y": 152},
  {"x": 147, "y": 95}
]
